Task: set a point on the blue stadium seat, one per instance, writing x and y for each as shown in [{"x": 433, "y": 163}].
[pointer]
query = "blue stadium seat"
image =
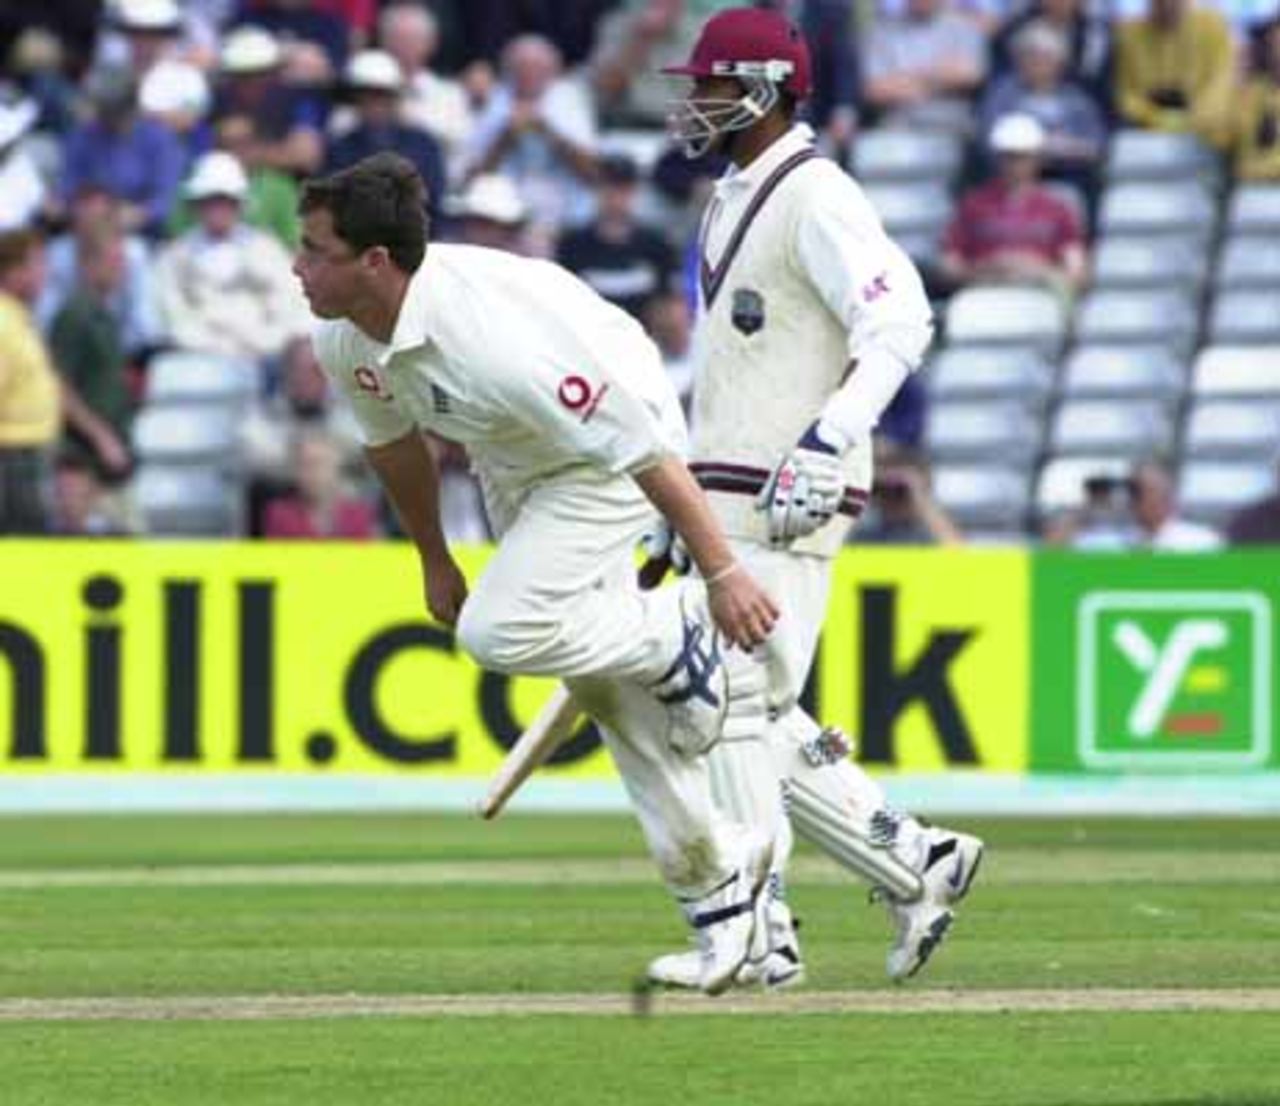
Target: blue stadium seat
[
  {"x": 1008, "y": 315},
  {"x": 1119, "y": 428},
  {"x": 990, "y": 372},
  {"x": 1120, "y": 372}
]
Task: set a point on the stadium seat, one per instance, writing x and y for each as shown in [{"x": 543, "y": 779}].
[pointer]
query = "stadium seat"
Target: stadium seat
[
  {"x": 1157, "y": 316},
  {"x": 995, "y": 430},
  {"x": 186, "y": 501},
  {"x": 186, "y": 433},
  {"x": 1237, "y": 371},
  {"x": 1221, "y": 428},
  {"x": 1119, "y": 372},
  {"x": 188, "y": 377},
  {"x": 1254, "y": 208},
  {"x": 1123, "y": 428},
  {"x": 990, "y": 372},
  {"x": 1245, "y": 317},
  {"x": 1144, "y": 261},
  {"x": 1007, "y": 314},
  {"x": 911, "y": 208},
  {"x": 1176, "y": 207},
  {"x": 1136, "y": 154},
  {"x": 1249, "y": 261},
  {"x": 1060, "y": 485},
  {"x": 890, "y": 154},
  {"x": 992, "y": 497},
  {"x": 1211, "y": 491}
]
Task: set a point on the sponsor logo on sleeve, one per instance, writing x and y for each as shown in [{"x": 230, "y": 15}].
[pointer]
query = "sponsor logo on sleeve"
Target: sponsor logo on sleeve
[
  {"x": 370, "y": 382},
  {"x": 876, "y": 288},
  {"x": 576, "y": 393}
]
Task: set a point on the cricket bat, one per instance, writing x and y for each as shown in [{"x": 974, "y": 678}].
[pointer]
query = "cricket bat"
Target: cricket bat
[{"x": 553, "y": 726}]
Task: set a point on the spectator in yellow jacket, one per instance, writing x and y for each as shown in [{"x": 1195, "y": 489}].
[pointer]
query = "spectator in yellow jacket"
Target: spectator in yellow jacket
[
  {"x": 1175, "y": 71},
  {"x": 1257, "y": 145}
]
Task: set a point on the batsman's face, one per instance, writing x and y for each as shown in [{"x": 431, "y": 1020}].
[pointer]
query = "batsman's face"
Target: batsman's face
[{"x": 328, "y": 268}]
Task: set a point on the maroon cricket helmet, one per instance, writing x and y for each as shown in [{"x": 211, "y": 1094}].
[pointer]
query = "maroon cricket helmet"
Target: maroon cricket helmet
[{"x": 750, "y": 43}]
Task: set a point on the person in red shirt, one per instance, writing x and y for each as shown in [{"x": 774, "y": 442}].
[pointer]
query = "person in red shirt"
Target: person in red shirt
[
  {"x": 1014, "y": 228},
  {"x": 321, "y": 506}
]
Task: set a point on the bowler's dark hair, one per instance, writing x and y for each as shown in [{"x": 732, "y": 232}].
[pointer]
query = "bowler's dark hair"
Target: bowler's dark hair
[{"x": 379, "y": 201}]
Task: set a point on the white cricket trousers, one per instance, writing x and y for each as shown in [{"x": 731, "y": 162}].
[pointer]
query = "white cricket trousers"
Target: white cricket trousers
[
  {"x": 559, "y": 598},
  {"x": 801, "y": 585}
]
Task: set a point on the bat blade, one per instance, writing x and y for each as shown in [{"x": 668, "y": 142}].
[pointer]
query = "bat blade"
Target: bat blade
[{"x": 553, "y": 726}]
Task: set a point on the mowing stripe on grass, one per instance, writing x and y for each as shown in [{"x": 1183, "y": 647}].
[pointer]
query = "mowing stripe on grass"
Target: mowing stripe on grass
[
  {"x": 298, "y": 1007},
  {"x": 1012, "y": 866}
]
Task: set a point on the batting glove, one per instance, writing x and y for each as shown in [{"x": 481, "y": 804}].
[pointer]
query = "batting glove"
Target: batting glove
[{"x": 804, "y": 491}]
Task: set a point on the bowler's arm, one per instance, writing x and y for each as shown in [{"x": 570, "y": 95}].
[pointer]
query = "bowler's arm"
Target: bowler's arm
[
  {"x": 408, "y": 473},
  {"x": 741, "y": 608}
]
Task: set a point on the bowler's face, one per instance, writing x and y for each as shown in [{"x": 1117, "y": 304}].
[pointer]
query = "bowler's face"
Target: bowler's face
[{"x": 327, "y": 266}]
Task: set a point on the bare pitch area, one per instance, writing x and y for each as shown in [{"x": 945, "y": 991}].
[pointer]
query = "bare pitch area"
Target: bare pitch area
[
  {"x": 299, "y": 1007},
  {"x": 1005, "y": 866}
]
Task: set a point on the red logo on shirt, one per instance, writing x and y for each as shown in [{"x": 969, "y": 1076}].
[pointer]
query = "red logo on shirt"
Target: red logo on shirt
[
  {"x": 877, "y": 288},
  {"x": 369, "y": 381},
  {"x": 576, "y": 394}
]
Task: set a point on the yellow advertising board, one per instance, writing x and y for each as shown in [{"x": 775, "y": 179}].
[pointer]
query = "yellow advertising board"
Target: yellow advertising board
[
  {"x": 925, "y": 657},
  {"x": 317, "y": 658}
]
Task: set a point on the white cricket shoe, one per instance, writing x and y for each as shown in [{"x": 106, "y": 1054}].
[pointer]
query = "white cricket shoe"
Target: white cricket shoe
[
  {"x": 726, "y": 918},
  {"x": 778, "y": 966},
  {"x": 695, "y": 687},
  {"x": 947, "y": 865}
]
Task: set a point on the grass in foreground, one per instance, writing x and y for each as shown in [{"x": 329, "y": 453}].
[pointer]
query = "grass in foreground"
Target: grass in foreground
[{"x": 1063, "y": 904}]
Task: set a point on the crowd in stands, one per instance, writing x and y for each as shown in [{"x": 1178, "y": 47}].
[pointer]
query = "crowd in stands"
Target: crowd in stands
[{"x": 151, "y": 155}]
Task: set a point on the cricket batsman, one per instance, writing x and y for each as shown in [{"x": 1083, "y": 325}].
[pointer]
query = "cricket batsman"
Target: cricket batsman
[
  {"x": 576, "y": 435},
  {"x": 810, "y": 320}
]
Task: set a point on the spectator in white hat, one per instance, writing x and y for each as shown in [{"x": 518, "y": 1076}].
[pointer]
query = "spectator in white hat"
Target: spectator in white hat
[
  {"x": 1013, "y": 228},
  {"x": 271, "y": 203},
  {"x": 177, "y": 94},
  {"x": 150, "y": 29},
  {"x": 288, "y": 122},
  {"x": 224, "y": 286},
  {"x": 374, "y": 81},
  {"x": 491, "y": 213}
]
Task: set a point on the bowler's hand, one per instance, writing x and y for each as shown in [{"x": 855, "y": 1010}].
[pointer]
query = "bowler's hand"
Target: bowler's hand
[
  {"x": 446, "y": 590},
  {"x": 744, "y": 612}
]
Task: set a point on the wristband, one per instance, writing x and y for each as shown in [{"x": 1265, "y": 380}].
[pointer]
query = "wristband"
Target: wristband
[{"x": 723, "y": 574}]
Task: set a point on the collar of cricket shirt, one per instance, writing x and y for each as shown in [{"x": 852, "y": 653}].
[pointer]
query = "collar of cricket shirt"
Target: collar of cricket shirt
[
  {"x": 799, "y": 137},
  {"x": 411, "y": 324}
]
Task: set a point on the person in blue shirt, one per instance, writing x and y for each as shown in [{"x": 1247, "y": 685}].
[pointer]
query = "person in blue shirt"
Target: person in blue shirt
[
  {"x": 136, "y": 159},
  {"x": 375, "y": 82}
]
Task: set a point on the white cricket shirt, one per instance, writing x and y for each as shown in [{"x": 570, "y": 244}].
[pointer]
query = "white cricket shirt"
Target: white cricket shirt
[
  {"x": 517, "y": 360},
  {"x": 797, "y": 278},
  {"x": 837, "y": 242}
]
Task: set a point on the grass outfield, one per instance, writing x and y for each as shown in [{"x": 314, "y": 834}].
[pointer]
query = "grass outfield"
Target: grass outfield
[{"x": 389, "y": 960}]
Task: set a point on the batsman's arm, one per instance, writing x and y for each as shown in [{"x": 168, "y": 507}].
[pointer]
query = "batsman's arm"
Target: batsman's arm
[
  {"x": 408, "y": 472},
  {"x": 742, "y": 609}
]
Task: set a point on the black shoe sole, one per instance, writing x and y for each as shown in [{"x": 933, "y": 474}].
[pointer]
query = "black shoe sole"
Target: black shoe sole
[
  {"x": 930, "y": 941},
  {"x": 973, "y": 872}
]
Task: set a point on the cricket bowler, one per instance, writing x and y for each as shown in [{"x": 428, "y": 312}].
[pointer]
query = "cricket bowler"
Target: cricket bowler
[{"x": 576, "y": 435}]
